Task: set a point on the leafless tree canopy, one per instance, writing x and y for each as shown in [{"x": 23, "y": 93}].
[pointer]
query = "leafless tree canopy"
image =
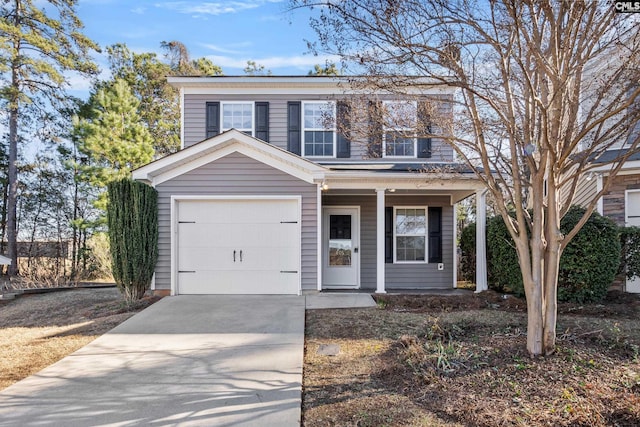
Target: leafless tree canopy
[{"x": 542, "y": 89}]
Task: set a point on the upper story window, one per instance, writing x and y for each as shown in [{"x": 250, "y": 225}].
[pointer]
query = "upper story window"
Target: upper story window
[
  {"x": 318, "y": 129},
  {"x": 399, "y": 129},
  {"x": 238, "y": 115}
]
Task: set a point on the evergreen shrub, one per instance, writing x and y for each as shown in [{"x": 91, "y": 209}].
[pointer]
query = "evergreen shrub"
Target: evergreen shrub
[
  {"x": 588, "y": 265},
  {"x": 132, "y": 217}
]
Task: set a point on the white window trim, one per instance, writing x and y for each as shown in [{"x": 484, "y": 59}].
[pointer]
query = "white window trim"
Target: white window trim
[
  {"x": 626, "y": 205},
  {"x": 386, "y": 129},
  {"x": 253, "y": 116},
  {"x": 332, "y": 129},
  {"x": 426, "y": 235}
]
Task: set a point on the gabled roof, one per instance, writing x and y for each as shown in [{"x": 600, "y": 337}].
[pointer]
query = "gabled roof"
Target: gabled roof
[
  {"x": 328, "y": 85},
  {"x": 231, "y": 141},
  {"x": 613, "y": 155},
  {"x": 383, "y": 167}
]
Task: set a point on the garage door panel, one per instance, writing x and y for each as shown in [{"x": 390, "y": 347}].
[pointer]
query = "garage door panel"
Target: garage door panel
[
  {"x": 267, "y": 233},
  {"x": 193, "y": 258},
  {"x": 210, "y": 235},
  {"x": 259, "y": 211},
  {"x": 258, "y": 257},
  {"x": 264, "y": 258},
  {"x": 239, "y": 282}
]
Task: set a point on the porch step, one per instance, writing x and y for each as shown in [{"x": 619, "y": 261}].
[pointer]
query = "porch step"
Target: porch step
[{"x": 339, "y": 300}]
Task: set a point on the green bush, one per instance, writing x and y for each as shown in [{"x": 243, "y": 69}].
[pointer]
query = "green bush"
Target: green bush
[
  {"x": 587, "y": 267},
  {"x": 503, "y": 267},
  {"x": 132, "y": 216},
  {"x": 630, "y": 251},
  {"x": 589, "y": 263},
  {"x": 468, "y": 253}
]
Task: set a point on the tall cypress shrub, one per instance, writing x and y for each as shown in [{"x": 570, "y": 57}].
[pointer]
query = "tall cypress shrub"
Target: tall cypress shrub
[{"x": 132, "y": 217}]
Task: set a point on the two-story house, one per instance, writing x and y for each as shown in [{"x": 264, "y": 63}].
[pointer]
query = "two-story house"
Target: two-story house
[
  {"x": 273, "y": 193},
  {"x": 621, "y": 202}
]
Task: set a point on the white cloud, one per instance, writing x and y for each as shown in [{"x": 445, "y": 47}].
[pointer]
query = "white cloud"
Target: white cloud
[
  {"x": 232, "y": 48},
  {"x": 139, "y": 10},
  {"x": 302, "y": 62},
  {"x": 214, "y": 7}
]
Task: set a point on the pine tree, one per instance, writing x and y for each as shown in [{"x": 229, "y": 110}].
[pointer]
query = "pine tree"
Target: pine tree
[
  {"x": 112, "y": 137},
  {"x": 38, "y": 49}
]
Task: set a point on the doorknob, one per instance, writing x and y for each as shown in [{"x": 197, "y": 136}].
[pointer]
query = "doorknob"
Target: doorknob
[{"x": 355, "y": 250}]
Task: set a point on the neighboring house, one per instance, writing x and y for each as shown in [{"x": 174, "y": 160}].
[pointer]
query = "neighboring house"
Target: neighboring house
[
  {"x": 621, "y": 202},
  {"x": 272, "y": 194}
]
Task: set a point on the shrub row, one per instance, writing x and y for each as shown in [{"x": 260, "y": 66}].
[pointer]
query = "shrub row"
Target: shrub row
[{"x": 588, "y": 265}]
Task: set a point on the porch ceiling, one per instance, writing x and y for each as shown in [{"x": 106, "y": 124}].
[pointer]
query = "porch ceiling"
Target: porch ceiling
[
  {"x": 456, "y": 185},
  {"x": 455, "y": 195}
]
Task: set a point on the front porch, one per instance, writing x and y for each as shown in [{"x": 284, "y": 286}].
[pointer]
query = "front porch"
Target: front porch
[{"x": 383, "y": 233}]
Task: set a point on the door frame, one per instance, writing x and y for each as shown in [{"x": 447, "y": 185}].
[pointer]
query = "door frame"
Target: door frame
[
  {"x": 325, "y": 242},
  {"x": 630, "y": 285},
  {"x": 176, "y": 199}
]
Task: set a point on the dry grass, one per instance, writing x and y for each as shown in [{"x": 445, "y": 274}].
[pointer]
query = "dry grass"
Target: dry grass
[
  {"x": 38, "y": 330},
  {"x": 461, "y": 360}
]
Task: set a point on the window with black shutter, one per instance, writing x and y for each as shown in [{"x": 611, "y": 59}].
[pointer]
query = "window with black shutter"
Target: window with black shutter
[
  {"x": 435, "y": 234},
  {"x": 388, "y": 235},
  {"x": 343, "y": 124},
  {"x": 374, "y": 146},
  {"x": 262, "y": 121},
  {"x": 424, "y": 143},
  {"x": 212, "y": 119},
  {"x": 294, "y": 117}
]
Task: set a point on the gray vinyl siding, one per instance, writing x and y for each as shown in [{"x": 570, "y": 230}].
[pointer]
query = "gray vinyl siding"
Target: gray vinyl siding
[
  {"x": 400, "y": 276},
  {"x": 195, "y": 116},
  {"x": 235, "y": 175},
  {"x": 586, "y": 190}
]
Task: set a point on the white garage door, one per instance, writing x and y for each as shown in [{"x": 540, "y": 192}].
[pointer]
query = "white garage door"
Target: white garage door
[{"x": 238, "y": 246}]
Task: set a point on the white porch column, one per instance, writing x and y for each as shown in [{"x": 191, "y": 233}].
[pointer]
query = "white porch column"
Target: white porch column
[
  {"x": 380, "y": 246},
  {"x": 599, "y": 184},
  {"x": 481, "y": 244},
  {"x": 455, "y": 246},
  {"x": 319, "y": 234}
]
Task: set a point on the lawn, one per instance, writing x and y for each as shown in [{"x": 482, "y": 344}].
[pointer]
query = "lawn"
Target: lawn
[
  {"x": 38, "y": 330},
  {"x": 413, "y": 361},
  {"x": 461, "y": 361}
]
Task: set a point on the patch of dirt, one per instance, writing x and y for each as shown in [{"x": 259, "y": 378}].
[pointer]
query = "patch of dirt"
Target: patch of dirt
[
  {"x": 462, "y": 360},
  {"x": 40, "y": 329},
  {"x": 616, "y": 304}
]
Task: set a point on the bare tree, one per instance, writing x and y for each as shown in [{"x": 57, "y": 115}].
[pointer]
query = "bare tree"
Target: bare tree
[{"x": 543, "y": 88}]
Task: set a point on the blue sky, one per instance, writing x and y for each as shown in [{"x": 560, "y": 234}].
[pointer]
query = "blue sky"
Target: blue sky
[{"x": 228, "y": 32}]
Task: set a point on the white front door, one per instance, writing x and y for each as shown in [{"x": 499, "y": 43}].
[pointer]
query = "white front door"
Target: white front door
[
  {"x": 632, "y": 218},
  {"x": 341, "y": 247}
]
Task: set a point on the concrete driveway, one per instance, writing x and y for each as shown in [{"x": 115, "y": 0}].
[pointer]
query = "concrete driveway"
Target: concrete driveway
[{"x": 186, "y": 360}]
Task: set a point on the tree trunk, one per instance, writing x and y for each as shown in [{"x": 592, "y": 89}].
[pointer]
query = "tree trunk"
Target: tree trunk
[
  {"x": 75, "y": 236},
  {"x": 535, "y": 305},
  {"x": 12, "y": 175},
  {"x": 3, "y": 218},
  {"x": 552, "y": 268},
  {"x": 12, "y": 197}
]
